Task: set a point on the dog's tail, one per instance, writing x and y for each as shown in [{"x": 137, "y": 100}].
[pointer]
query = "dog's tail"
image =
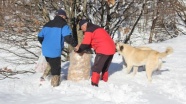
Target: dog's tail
[{"x": 168, "y": 51}]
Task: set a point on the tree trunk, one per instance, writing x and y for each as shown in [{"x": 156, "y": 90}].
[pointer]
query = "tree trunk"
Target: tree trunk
[
  {"x": 80, "y": 65},
  {"x": 152, "y": 29},
  {"x": 155, "y": 18},
  {"x": 128, "y": 37}
]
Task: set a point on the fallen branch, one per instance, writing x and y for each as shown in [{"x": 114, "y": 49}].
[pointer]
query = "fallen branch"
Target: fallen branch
[{"x": 8, "y": 73}]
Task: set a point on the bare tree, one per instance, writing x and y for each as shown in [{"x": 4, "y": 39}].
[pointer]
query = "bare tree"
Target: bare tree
[
  {"x": 165, "y": 19},
  {"x": 19, "y": 23}
]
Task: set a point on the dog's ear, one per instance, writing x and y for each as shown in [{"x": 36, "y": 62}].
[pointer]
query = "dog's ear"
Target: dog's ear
[{"x": 121, "y": 48}]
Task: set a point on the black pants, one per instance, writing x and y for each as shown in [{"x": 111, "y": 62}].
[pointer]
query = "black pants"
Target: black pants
[
  {"x": 101, "y": 63},
  {"x": 55, "y": 64}
]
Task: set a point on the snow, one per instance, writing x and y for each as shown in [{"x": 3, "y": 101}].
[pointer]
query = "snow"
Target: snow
[{"x": 167, "y": 87}]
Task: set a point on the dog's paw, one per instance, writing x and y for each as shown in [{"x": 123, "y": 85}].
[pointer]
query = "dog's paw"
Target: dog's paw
[
  {"x": 127, "y": 72},
  {"x": 150, "y": 80},
  {"x": 133, "y": 75}
]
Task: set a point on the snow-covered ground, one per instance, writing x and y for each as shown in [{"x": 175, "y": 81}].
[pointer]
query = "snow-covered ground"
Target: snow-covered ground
[{"x": 168, "y": 85}]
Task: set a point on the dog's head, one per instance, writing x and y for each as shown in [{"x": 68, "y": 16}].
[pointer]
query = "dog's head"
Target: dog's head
[{"x": 119, "y": 46}]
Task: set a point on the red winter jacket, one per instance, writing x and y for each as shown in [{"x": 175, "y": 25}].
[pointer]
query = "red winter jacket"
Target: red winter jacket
[{"x": 97, "y": 38}]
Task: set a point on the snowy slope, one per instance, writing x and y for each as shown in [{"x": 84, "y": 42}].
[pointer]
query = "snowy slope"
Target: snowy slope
[{"x": 167, "y": 87}]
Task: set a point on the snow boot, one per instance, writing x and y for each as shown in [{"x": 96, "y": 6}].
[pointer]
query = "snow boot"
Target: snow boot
[
  {"x": 95, "y": 79},
  {"x": 55, "y": 80},
  {"x": 104, "y": 76}
]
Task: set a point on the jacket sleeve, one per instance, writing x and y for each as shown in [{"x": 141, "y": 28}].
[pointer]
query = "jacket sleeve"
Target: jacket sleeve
[
  {"x": 85, "y": 43},
  {"x": 67, "y": 34},
  {"x": 41, "y": 36},
  {"x": 70, "y": 40},
  {"x": 40, "y": 39},
  {"x": 83, "y": 47}
]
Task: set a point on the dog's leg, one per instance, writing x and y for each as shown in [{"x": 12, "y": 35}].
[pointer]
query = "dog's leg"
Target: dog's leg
[
  {"x": 149, "y": 70},
  {"x": 135, "y": 69},
  {"x": 159, "y": 65},
  {"x": 124, "y": 63},
  {"x": 149, "y": 75},
  {"x": 151, "y": 66},
  {"x": 129, "y": 67}
]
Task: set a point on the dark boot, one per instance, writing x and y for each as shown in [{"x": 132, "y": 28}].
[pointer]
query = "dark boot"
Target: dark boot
[
  {"x": 95, "y": 79},
  {"x": 104, "y": 76}
]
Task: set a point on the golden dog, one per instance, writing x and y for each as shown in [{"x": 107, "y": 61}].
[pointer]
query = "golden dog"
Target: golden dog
[{"x": 138, "y": 56}]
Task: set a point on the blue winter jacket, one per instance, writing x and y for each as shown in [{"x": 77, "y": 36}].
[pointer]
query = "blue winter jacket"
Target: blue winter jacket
[{"x": 52, "y": 37}]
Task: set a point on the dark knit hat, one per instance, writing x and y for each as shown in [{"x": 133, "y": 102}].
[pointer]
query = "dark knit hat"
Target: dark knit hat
[
  {"x": 81, "y": 22},
  {"x": 61, "y": 12}
]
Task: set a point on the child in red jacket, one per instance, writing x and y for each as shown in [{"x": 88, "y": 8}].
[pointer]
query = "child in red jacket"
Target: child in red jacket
[{"x": 97, "y": 38}]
